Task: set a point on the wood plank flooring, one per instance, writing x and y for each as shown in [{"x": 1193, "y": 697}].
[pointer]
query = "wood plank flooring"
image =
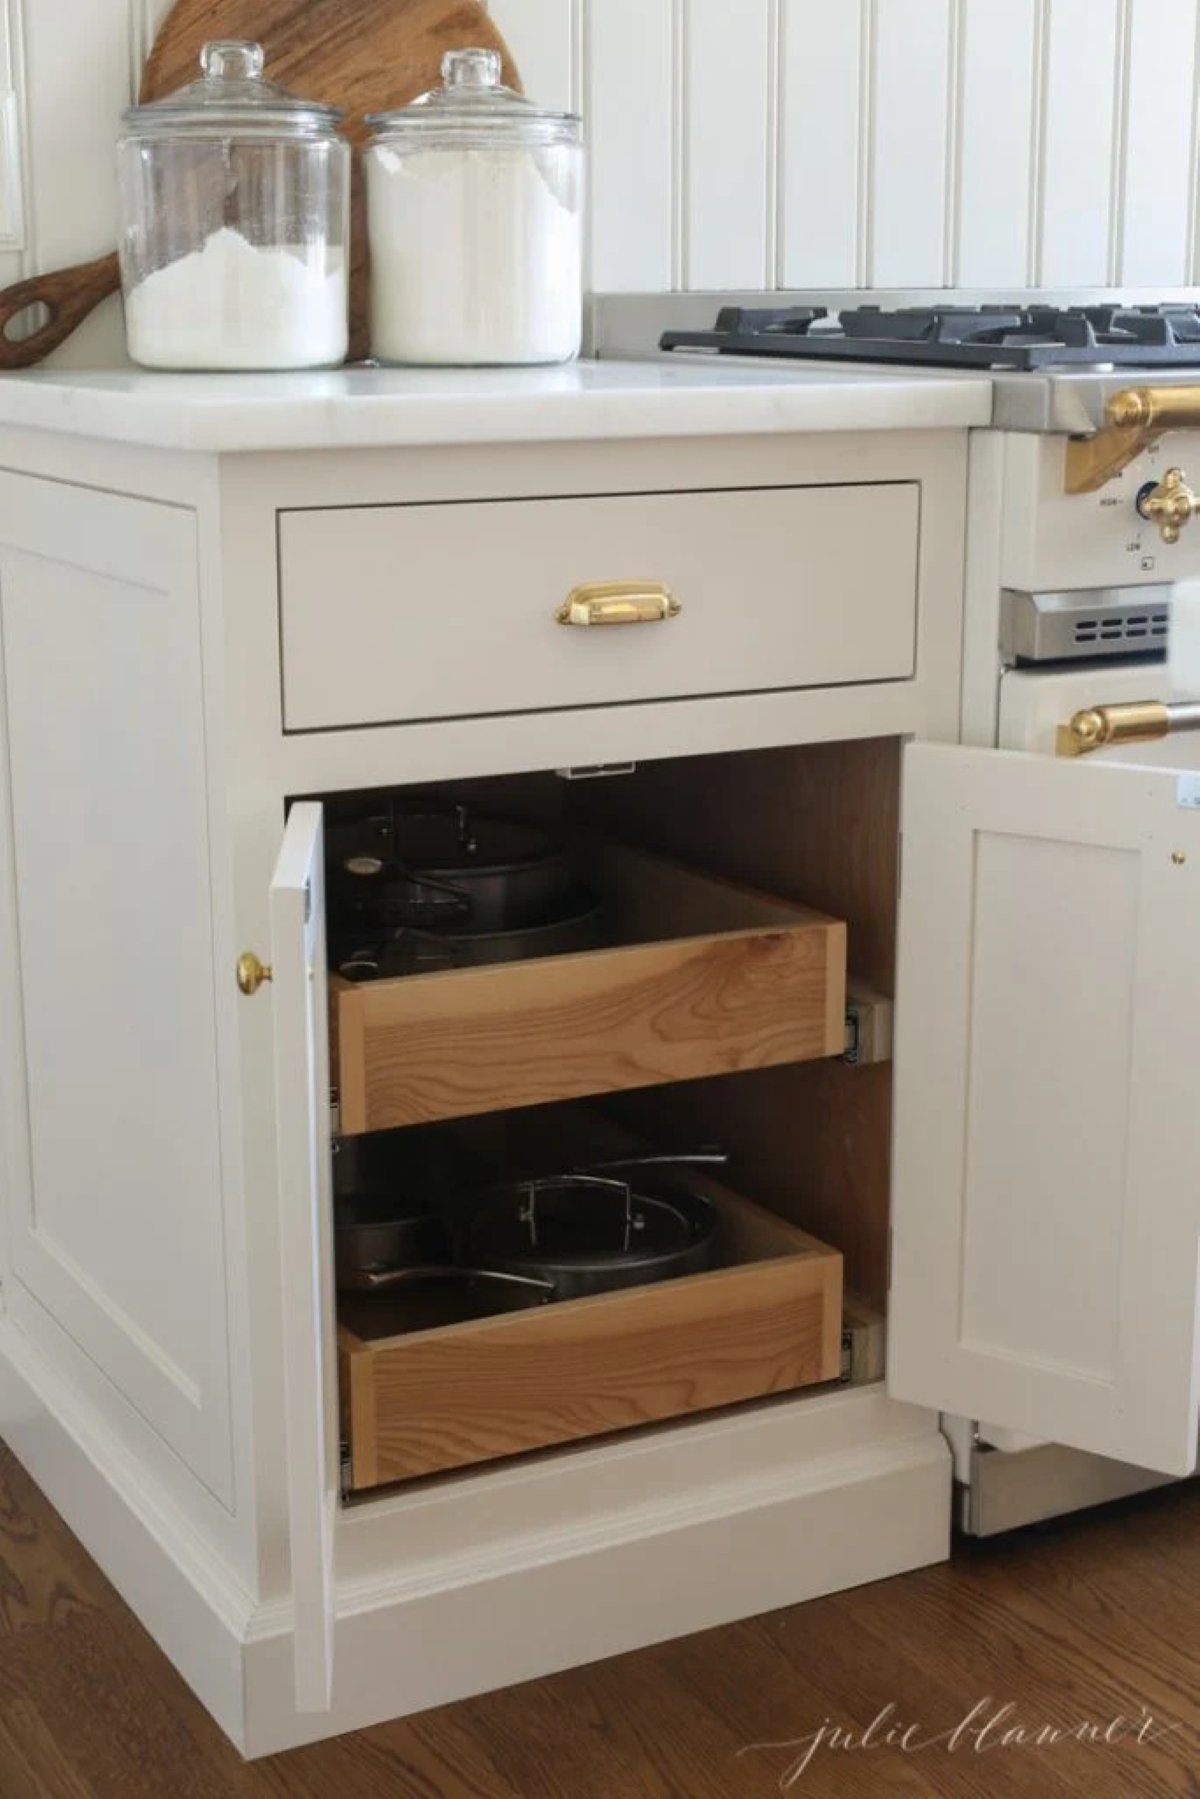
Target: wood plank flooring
[{"x": 1089, "y": 1621}]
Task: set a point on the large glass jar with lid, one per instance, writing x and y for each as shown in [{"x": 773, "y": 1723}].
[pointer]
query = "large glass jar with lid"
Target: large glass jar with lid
[
  {"x": 235, "y": 223},
  {"x": 475, "y": 205}
]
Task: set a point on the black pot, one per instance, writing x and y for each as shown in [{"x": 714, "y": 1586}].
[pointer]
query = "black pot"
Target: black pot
[
  {"x": 574, "y": 924},
  {"x": 376, "y": 1234},
  {"x": 593, "y": 1232},
  {"x": 442, "y": 865}
]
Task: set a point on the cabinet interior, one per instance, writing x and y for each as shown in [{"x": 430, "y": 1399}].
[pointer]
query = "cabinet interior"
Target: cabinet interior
[
  {"x": 815, "y": 827},
  {"x": 818, "y": 824}
]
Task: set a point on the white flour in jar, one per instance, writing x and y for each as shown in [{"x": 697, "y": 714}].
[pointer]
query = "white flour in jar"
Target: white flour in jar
[
  {"x": 234, "y": 306},
  {"x": 475, "y": 254}
]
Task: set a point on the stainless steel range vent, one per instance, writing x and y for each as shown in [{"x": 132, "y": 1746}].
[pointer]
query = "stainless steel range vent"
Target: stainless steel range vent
[
  {"x": 1094, "y": 622},
  {"x": 1137, "y": 628}
]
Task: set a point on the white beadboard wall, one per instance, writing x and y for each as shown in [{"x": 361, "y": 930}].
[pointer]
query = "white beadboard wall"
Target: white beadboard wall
[
  {"x": 879, "y": 143},
  {"x": 749, "y": 143}
]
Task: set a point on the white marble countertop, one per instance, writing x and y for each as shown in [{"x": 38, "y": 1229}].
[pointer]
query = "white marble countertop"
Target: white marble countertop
[{"x": 376, "y": 408}]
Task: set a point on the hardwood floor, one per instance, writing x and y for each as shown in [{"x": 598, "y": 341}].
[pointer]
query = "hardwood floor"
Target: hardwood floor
[{"x": 1084, "y": 1623}]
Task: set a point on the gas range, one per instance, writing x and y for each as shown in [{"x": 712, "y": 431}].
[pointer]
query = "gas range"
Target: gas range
[
  {"x": 990, "y": 336},
  {"x": 1053, "y": 365},
  {"x": 1055, "y": 358}
]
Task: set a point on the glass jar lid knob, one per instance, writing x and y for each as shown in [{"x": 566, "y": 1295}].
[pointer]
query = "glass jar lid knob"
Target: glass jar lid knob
[
  {"x": 229, "y": 59},
  {"x": 233, "y": 94},
  {"x": 471, "y": 69},
  {"x": 472, "y": 105}
]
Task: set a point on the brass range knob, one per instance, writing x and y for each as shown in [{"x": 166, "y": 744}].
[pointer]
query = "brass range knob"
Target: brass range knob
[
  {"x": 251, "y": 973},
  {"x": 1171, "y": 505}
]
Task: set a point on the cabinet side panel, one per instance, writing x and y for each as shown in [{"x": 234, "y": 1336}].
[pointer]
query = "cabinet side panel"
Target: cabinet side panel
[{"x": 116, "y": 1224}]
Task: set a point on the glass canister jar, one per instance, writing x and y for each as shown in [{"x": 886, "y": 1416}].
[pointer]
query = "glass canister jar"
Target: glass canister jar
[
  {"x": 235, "y": 223},
  {"x": 475, "y": 208}
]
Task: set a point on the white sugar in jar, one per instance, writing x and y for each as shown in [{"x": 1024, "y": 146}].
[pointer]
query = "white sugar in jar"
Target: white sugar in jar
[{"x": 475, "y": 210}]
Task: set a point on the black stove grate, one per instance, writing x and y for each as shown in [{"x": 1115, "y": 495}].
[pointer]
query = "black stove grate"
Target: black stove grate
[{"x": 983, "y": 337}]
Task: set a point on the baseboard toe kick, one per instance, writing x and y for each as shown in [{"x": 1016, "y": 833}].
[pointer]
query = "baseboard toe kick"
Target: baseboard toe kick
[
  {"x": 864, "y": 1493},
  {"x": 186, "y": 1598},
  {"x": 435, "y": 1637}
]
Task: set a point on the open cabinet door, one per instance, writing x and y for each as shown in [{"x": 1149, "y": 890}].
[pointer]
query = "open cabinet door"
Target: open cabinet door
[
  {"x": 1047, "y": 1142},
  {"x": 302, "y": 1127}
]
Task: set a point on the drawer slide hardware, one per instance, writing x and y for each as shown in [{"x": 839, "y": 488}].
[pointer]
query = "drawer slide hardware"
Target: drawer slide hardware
[
  {"x": 597, "y": 771},
  {"x": 863, "y": 1352},
  {"x": 619, "y": 603},
  {"x": 868, "y": 1027}
]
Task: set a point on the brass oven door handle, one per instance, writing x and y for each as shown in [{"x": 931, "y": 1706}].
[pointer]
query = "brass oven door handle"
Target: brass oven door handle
[
  {"x": 619, "y": 603},
  {"x": 1141, "y": 721}
]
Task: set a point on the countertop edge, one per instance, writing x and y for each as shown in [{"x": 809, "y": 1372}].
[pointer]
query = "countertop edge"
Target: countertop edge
[{"x": 230, "y": 425}]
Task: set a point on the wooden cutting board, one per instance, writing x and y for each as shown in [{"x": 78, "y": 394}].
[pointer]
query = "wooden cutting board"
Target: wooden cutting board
[{"x": 362, "y": 55}]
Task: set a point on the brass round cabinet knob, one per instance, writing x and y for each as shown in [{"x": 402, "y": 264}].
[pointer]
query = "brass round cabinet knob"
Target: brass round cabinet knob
[{"x": 251, "y": 973}]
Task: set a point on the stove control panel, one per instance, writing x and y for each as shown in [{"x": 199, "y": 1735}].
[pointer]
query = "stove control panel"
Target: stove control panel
[{"x": 1054, "y": 540}]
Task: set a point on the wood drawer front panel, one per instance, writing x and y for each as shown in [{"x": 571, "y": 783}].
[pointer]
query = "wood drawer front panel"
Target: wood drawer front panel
[
  {"x": 392, "y": 613},
  {"x": 444, "y": 1399},
  {"x": 761, "y": 983}
]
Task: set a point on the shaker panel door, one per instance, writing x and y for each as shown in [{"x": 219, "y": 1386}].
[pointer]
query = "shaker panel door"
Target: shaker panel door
[
  {"x": 1047, "y": 1147},
  {"x": 111, "y": 1015},
  {"x": 302, "y": 1128}
]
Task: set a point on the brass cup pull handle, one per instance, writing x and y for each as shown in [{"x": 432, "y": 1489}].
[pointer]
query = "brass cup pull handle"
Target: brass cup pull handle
[{"x": 619, "y": 603}]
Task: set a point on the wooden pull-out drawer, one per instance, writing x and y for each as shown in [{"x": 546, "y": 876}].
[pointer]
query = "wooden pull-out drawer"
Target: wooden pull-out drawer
[
  {"x": 768, "y": 1322},
  {"x": 391, "y": 614},
  {"x": 706, "y": 977}
]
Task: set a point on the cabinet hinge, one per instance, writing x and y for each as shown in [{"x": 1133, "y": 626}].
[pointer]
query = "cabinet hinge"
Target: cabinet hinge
[
  {"x": 891, "y": 1242},
  {"x": 308, "y": 902}
]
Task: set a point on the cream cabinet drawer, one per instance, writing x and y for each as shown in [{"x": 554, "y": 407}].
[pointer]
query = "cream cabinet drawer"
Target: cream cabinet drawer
[{"x": 394, "y": 613}]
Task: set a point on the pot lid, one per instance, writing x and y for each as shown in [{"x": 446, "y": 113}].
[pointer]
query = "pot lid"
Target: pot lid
[
  {"x": 233, "y": 94},
  {"x": 473, "y": 106},
  {"x": 576, "y": 1220}
]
